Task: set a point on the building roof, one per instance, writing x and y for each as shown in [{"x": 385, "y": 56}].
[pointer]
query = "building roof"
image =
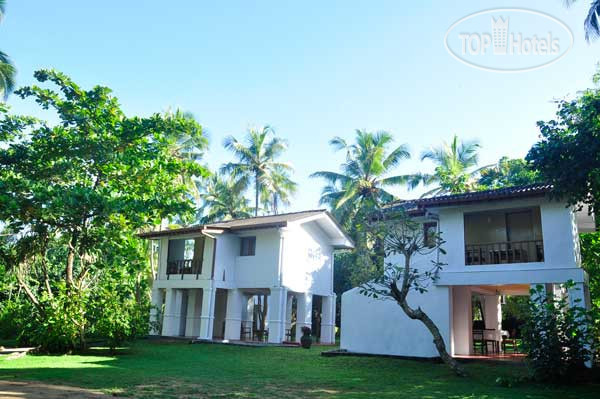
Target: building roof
[
  {"x": 259, "y": 222},
  {"x": 531, "y": 190}
]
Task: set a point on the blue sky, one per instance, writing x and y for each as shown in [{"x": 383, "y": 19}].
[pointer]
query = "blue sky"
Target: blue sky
[{"x": 309, "y": 69}]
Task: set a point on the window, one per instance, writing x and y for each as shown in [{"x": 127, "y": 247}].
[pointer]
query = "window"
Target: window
[
  {"x": 429, "y": 234},
  {"x": 248, "y": 246}
]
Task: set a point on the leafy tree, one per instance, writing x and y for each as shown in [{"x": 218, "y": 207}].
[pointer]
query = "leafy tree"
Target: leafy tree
[
  {"x": 7, "y": 69},
  {"x": 590, "y": 25},
  {"x": 256, "y": 161},
  {"x": 506, "y": 173},
  {"x": 366, "y": 175},
  {"x": 454, "y": 171},
  {"x": 73, "y": 195},
  {"x": 567, "y": 154},
  {"x": 405, "y": 238},
  {"x": 223, "y": 199},
  {"x": 590, "y": 261}
]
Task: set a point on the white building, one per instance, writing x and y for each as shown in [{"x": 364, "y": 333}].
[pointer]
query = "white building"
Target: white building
[
  {"x": 498, "y": 242},
  {"x": 210, "y": 277}
]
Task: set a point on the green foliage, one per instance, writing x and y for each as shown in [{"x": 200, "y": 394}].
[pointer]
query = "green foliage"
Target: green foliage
[
  {"x": 557, "y": 337},
  {"x": 507, "y": 173},
  {"x": 257, "y": 164},
  {"x": 454, "y": 163},
  {"x": 590, "y": 261},
  {"x": 365, "y": 178},
  {"x": 222, "y": 198},
  {"x": 72, "y": 197},
  {"x": 567, "y": 155}
]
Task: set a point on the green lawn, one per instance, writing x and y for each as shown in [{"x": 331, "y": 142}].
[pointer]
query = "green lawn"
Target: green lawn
[{"x": 153, "y": 369}]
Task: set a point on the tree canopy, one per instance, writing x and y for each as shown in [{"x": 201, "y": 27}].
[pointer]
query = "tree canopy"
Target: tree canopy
[
  {"x": 506, "y": 173},
  {"x": 72, "y": 196}
]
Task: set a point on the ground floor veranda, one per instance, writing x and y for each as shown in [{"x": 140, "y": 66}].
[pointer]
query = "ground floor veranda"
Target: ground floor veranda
[{"x": 271, "y": 315}]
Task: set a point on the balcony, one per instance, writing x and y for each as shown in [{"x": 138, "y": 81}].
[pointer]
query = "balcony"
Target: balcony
[
  {"x": 183, "y": 267},
  {"x": 504, "y": 252}
]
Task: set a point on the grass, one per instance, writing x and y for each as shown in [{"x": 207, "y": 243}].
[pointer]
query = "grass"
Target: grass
[{"x": 155, "y": 369}]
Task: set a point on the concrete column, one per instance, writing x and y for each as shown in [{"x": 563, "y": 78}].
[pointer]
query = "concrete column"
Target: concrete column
[
  {"x": 208, "y": 313},
  {"x": 462, "y": 337},
  {"x": 304, "y": 313},
  {"x": 233, "y": 316},
  {"x": 276, "y": 314},
  {"x": 155, "y": 311},
  {"x": 493, "y": 314},
  {"x": 289, "y": 310},
  {"x": 194, "y": 309},
  {"x": 328, "y": 320},
  {"x": 172, "y": 317}
]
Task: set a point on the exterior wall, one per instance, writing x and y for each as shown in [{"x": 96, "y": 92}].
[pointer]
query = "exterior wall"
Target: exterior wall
[
  {"x": 380, "y": 327},
  {"x": 307, "y": 264},
  {"x": 262, "y": 269}
]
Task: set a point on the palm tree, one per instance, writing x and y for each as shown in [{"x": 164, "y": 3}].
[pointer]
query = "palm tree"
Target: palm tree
[
  {"x": 256, "y": 160},
  {"x": 222, "y": 199},
  {"x": 453, "y": 173},
  {"x": 7, "y": 69},
  {"x": 277, "y": 191},
  {"x": 590, "y": 25},
  {"x": 365, "y": 175}
]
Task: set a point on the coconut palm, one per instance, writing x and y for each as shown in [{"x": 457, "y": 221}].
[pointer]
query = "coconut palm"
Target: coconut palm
[
  {"x": 590, "y": 25},
  {"x": 277, "y": 191},
  {"x": 365, "y": 176},
  {"x": 7, "y": 69},
  {"x": 454, "y": 171},
  {"x": 256, "y": 160},
  {"x": 222, "y": 198}
]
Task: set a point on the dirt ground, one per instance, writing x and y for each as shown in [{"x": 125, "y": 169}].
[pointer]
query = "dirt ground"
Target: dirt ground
[{"x": 37, "y": 390}]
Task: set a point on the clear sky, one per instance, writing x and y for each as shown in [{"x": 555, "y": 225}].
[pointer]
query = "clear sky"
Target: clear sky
[{"x": 312, "y": 70}]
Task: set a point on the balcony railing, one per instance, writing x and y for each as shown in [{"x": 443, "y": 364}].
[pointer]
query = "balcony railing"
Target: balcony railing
[
  {"x": 184, "y": 266},
  {"x": 504, "y": 252}
]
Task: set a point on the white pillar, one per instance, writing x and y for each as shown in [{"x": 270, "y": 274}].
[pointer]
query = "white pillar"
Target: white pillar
[
  {"x": 233, "y": 317},
  {"x": 304, "y": 313},
  {"x": 276, "y": 312},
  {"x": 493, "y": 314},
  {"x": 328, "y": 320},
  {"x": 194, "y": 309},
  {"x": 155, "y": 311},
  {"x": 462, "y": 325},
  {"x": 172, "y": 318},
  {"x": 208, "y": 313}
]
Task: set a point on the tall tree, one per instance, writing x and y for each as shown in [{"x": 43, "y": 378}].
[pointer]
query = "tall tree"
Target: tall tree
[
  {"x": 257, "y": 160},
  {"x": 506, "y": 173},
  {"x": 74, "y": 194},
  {"x": 277, "y": 191},
  {"x": 590, "y": 24},
  {"x": 223, "y": 198},
  {"x": 567, "y": 155},
  {"x": 454, "y": 171},
  {"x": 365, "y": 177},
  {"x": 7, "y": 69}
]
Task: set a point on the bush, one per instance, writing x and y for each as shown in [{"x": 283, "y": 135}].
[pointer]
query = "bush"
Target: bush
[{"x": 557, "y": 337}]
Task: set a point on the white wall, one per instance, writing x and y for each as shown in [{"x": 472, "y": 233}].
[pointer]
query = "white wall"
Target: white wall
[
  {"x": 262, "y": 269},
  {"x": 307, "y": 260}
]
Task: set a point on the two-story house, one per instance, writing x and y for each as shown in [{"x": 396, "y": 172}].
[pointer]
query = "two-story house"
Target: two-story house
[
  {"x": 215, "y": 281},
  {"x": 497, "y": 243}
]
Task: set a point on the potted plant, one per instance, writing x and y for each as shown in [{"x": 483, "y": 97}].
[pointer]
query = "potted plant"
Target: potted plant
[{"x": 306, "y": 339}]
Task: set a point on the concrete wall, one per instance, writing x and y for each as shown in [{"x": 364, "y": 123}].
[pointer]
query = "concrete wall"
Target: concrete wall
[
  {"x": 260, "y": 270},
  {"x": 307, "y": 264}
]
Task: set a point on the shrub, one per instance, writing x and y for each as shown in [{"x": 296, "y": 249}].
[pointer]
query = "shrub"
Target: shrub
[{"x": 557, "y": 337}]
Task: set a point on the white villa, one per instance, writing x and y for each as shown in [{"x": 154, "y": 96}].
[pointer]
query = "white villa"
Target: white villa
[
  {"x": 498, "y": 242},
  {"x": 212, "y": 279}
]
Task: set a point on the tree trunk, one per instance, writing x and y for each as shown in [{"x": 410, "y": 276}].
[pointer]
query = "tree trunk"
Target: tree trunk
[
  {"x": 256, "y": 190},
  {"x": 400, "y": 296}
]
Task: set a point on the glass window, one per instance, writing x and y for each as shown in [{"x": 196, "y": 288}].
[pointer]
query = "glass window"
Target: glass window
[{"x": 248, "y": 246}]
